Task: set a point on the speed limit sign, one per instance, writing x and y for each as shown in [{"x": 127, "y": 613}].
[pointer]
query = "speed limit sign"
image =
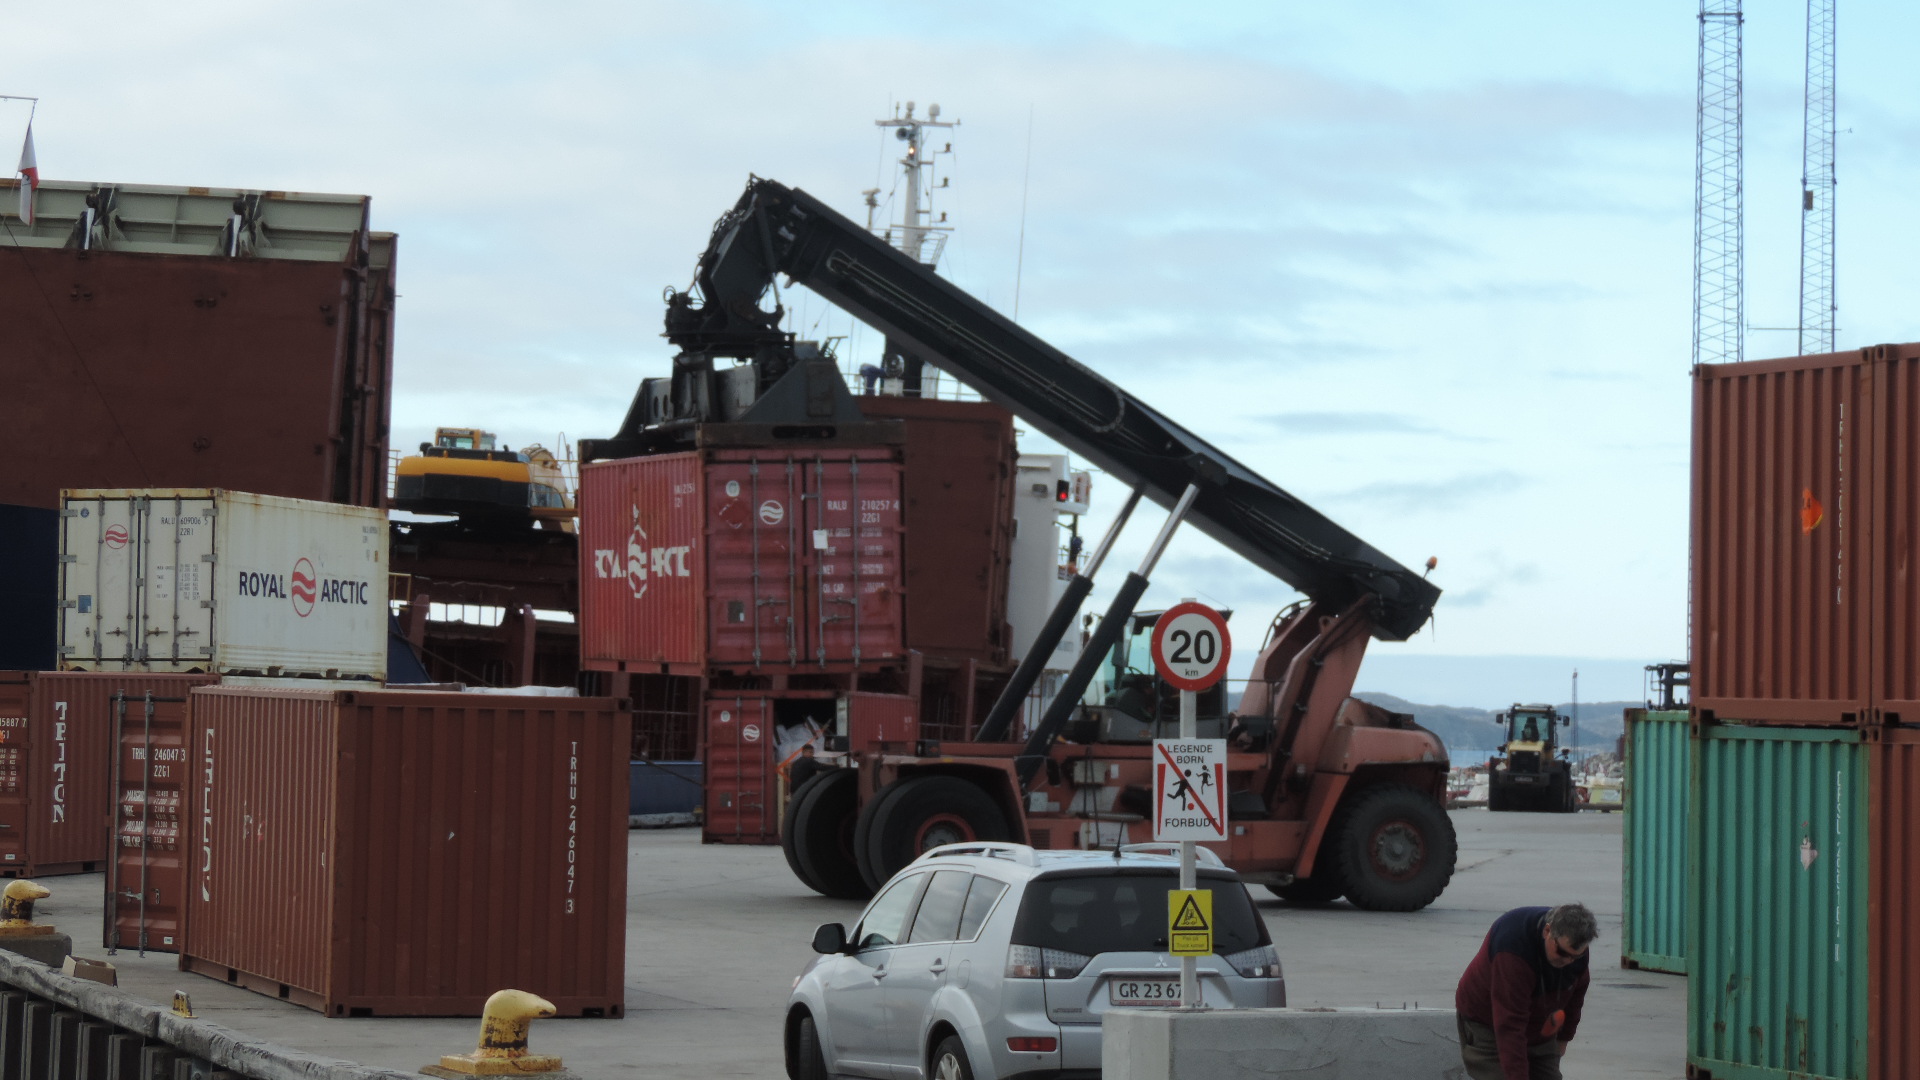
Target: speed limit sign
[{"x": 1190, "y": 646}]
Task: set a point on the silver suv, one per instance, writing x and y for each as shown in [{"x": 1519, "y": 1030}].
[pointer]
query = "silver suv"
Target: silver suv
[{"x": 996, "y": 960}]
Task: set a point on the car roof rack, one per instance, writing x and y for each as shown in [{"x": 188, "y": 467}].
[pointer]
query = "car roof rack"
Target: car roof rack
[
  {"x": 992, "y": 849},
  {"x": 1204, "y": 856}
]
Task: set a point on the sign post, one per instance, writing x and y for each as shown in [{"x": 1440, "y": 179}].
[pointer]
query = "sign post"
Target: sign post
[{"x": 1190, "y": 650}]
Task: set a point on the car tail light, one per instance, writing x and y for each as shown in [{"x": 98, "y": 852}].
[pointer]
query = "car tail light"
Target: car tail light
[
  {"x": 1034, "y": 962},
  {"x": 1260, "y": 963},
  {"x": 1033, "y": 1044}
]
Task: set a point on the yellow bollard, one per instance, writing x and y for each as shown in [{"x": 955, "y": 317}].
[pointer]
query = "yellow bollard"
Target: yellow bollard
[
  {"x": 16, "y": 910},
  {"x": 503, "y": 1038}
]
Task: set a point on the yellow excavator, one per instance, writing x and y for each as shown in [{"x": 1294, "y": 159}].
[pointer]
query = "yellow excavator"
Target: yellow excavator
[{"x": 462, "y": 472}]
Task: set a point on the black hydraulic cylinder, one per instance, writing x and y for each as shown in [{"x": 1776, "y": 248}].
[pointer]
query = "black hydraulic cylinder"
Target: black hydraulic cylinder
[
  {"x": 994, "y": 728},
  {"x": 1112, "y": 625}
]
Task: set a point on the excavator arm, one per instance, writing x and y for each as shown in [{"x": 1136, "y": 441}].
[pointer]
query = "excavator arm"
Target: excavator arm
[{"x": 776, "y": 230}]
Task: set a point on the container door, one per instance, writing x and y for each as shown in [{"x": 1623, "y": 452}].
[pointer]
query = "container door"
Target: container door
[
  {"x": 754, "y": 599},
  {"x": 1654, "y": 886},
  {"x": 853, "y": 539},
  {"x": 16, "y": 706},
  {"x": 100, "y": 545},
  {"x": 146, "y": 879},
  {"x": 177, "y": 609},
  {"x": 742, "y": 791}
]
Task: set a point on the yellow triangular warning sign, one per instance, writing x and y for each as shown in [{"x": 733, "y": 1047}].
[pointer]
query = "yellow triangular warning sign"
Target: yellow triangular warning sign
[{"x": 1190, "y": 917}]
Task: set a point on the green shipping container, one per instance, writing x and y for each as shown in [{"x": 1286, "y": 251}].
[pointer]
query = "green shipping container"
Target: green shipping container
[
  {"x": 1653, "y": 887},
  {"x": 1777, "y": 923}
]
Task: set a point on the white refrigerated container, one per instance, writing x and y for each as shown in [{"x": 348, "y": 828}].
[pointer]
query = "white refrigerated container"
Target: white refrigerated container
[{"x": 209, "y": 580}]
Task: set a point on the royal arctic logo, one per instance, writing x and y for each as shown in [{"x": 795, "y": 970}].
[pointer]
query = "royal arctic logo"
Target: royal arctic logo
[
  {"x": 304, "y": 588},
  {"x": 116, "y": 537},
  {"x": 641, "y": 561}
]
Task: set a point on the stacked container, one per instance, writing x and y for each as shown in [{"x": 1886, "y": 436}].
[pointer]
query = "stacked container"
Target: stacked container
[
  {"x": 388, "y": 853},
  {"x": 1806, "y": 622},
  {"x": 1653, "y": 890}
]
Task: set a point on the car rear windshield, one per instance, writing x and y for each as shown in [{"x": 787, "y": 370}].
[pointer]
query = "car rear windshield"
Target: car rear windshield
[{"x": 1125, "y": 910}]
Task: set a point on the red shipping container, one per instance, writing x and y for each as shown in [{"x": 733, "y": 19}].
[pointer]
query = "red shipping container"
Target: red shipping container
[
  {"x": 742, "y": 559},
  {"x": 394, "y": 853},
  {"x": 1782, "y": 528},
  {"x": 56, "y": 739},
  {"x": 742, "y": 781},
  {"x": 1893, "y": 906},
  {"x": 146, "y": 746},
  {"x": 1895, "y": 498},
  {"x": 960, "y": 460}
]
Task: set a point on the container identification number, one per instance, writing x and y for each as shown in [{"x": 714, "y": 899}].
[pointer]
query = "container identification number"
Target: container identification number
[{"x": 573, "y": 818}]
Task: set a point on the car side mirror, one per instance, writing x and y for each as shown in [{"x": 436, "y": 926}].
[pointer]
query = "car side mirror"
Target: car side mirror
[{"x": 830, "y": 938}]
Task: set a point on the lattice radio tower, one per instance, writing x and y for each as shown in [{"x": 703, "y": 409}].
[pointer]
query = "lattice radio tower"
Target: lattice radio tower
[
  {"x": 1817, "y": 185},
  {"x": 1719, "y": 306}
]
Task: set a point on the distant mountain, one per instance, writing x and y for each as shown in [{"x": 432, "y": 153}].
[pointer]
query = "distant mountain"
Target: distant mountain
[{"x": 1471, "y": 734}]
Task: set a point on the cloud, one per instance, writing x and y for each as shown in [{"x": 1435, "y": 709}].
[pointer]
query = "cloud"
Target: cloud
[{"x": 1452, "y": 494}]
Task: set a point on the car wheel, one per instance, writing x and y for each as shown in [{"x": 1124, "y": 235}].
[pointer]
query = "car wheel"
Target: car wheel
[
  {"x": 950, "y": 1060},
  {"x": 823, "y": 836},
  {"x": 789, "y": 834},
  {"x": 808, "y": 1061},
  {"x": 924, "y": 813},
  {"x": 1396, "y": 849}
]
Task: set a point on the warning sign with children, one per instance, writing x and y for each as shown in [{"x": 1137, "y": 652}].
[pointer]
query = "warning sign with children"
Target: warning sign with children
[{"x": 1190, "y": 789}]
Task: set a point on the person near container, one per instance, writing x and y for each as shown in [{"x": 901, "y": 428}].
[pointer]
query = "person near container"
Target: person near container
[{"x": 1518, "y": 1005}]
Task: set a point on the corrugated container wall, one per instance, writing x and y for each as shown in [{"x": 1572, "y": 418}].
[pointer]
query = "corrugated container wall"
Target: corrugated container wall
[
  {"x": 742, "y": 559},
  {"x": 1653, "y": 889},
  {"x": 960, "y": 458},
  {"x": 56, "y": 756},
  {"x": 207, "y": 580},
  {"x": 1895, "y": 495},
  {"x": 394, "y": 853},
  {"x": 172, "y": 352},
  {"x": 1894, "y": 908},
  {"x": 1781, "y": 539},
  {"x": 1777, "y": 934}
]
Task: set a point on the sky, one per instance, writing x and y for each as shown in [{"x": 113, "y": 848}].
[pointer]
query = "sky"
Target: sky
[{"x": 1425, "y": 265}]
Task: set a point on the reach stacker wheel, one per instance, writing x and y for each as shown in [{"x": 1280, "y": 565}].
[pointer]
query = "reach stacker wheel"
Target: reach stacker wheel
[
  {"x": 822, "y": 835},
  {"x": 1395, "y": 847},
  {"x": 912, "y": 816}
]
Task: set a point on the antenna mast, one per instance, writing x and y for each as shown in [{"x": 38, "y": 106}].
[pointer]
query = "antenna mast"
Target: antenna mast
[
  {"x": 1718, "y": 210},
  {"x": 1817, "y": 185},
  {"x": 919, "y": 236}
]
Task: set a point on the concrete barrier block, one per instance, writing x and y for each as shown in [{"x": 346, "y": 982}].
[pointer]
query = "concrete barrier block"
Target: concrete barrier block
[{"x": 1297, "y": 1044}]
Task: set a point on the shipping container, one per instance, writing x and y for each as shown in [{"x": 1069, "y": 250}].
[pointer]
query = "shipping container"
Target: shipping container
[
  {"x": 407, "y": 853},
  {"x": 1782, "y": 539},
  {"x": 743, "y": 783},
  {"x": 1894, "y": 908},
  {"x": 209, "y": 580},
  {"x": 1777, "y": 932},
  {"x": 1895, "y": 497},
  {"x": 29, "y": 588},
  {"x": 56, "y": 732},
  {"x": 742, "y": 559},
  {"x": 959, "y": 458},
  {"x": 195, "y": 337},
  {"x": 1653, "y": 887},
  {"x": 150, "y": 780}
]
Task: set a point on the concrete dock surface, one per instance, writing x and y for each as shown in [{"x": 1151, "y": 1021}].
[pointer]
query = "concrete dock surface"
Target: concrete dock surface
[{"x": 717, "y": 933}]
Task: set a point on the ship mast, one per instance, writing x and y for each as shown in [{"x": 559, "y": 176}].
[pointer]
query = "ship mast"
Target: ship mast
[{"x": 919, "y": 235}]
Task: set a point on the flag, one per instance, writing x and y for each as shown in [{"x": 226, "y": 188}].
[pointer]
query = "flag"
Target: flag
[{"x": 30, "y": 177}]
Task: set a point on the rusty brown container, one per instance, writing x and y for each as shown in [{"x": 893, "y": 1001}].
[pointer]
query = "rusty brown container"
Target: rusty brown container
[
  {"x": 1895, "y": 496},
  {"x": 744, "y": 560},
  {"x": 149, "y": 771},
  {"x": 139, "y": 362},
  {"x": 392, "y": 853},
  {"x": 56, "y": 738},
  {"x": 1893, "y": 906},
  {"x": 1782, "y": 539},
  {"x": 742, "y": 782},
  {"x": 960, "y": 459}
]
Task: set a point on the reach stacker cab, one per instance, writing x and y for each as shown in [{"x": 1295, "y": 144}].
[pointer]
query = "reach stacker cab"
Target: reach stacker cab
[
  {"x": 1531, "y": 771},
  {"x": 1328, "y": 796}
]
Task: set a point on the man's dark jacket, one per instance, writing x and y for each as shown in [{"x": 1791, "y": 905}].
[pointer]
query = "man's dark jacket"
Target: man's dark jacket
[{"x": 1511, "y": 988}]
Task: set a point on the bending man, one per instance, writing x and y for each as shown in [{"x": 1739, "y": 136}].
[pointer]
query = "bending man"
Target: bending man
[{"x": 1519, "y": 1002}]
